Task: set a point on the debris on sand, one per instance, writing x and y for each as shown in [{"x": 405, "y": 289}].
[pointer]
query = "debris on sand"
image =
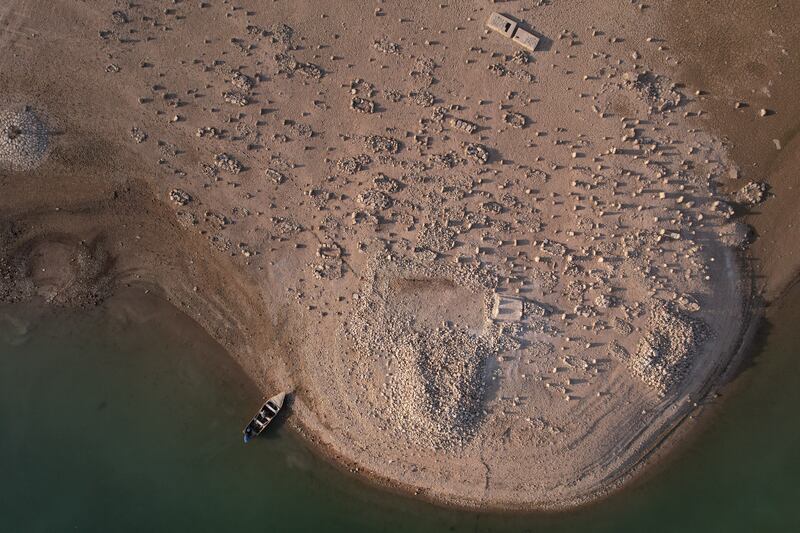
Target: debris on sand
[
  {"x": 180, "y": 197},
  {"x": 658, "y": 91},
  {"x": 242, "y": 81},
  {"x": 436, "y": 387},
  {"x": 23, "y": 139},
  {"x": 362, "y": 105},
  {"x": 386, "y": 46},
  {"x": 351, "y": 165},
  {"x": 207, "y": 132},
  {"x": 753, "y": 193},
  {"x": 228, "y": 163},
  {"x": 275, "y": 176},
  {"x": 375, "y": 199},
  {"x": 289, "y": 65},
  {"x": 477, "y": 153},
  {"x": 666, "y": 350},
  {"x": 282, "y": 33},
  {"x": 515, "y": 120},
  {"x": 138, "y": 135},
  {"x": 445, "y": 160},
  {"x": 464, "y": 125},
  {"x": 236, "y": 98},
  {"x": 382, "y": 145},
  {"x": 421, "y": 98},
  {"x": 521, "y": 57}
]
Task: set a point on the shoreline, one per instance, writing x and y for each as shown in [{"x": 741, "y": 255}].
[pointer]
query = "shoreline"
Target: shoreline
[
  {"x": 661, "y": 453},
  {"x": 248, "y": 315}
]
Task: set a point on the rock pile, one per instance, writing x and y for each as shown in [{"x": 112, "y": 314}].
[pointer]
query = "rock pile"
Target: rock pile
[
  {"x": 753, "y": 193},
  {"x": 657, "y": 90},
  {"x": 23, "y": 139},
  {"x": 435, "y": 381},
  {"x": 666, "y": 350}
]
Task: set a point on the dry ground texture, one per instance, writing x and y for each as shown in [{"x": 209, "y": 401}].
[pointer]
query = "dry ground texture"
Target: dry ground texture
[{"x": 490, "y": 276}]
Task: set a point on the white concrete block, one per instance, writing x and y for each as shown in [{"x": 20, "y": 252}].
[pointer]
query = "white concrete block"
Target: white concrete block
[
  {"x": 501, "y": 24},
  {"x": 526, "y": 39},
  {"x": 507, "y": 308}
]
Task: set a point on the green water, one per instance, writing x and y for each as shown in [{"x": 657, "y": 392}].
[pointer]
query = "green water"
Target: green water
[{"x": 129, "y": 419}]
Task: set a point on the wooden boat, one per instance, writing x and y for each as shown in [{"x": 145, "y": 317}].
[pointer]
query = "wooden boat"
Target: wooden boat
[{"x": 264, "y": 416}]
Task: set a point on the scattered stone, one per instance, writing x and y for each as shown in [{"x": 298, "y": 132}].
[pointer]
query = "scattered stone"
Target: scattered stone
[
  {"x": 666, "y": 350},
  {"x": 236, "y": 98},
  {"x": 138, "y": 135},
  {"x": 421, "y": 98},
  {"x": 386, "y": 46},
  {"x": 498, "y": 69},
  {"x": 23, "y": 139},
  {"x": 282, "y": 33},
  {"x": 463, "y": 125},
  {"x": 375, "y": 199},
  {"x": 289, "y": 66},
  {"x": 207, "y": 132},
  {"x": 521, "y": 57},
  {"x": 119, "y": 17},
  {"x": 351, "y": 165},
  {"x": 242, "y": 81},
  {"x": 180, "y": 197},
  {"x": 382, "y": 145},
  {"x": 753, "y": 193},
  {"x": 476, "y": 153},
  {"x": 226, "y": 162},
  {"x": 394, "y": 96},
  {"x": 657, "y": 91},
  {"x": 362, "y": 105},
  {"x": 515, "y": 120},
  {"x": 436, "y": 388},
  {"x": 275, "y": 176},
  {"x": 446, "y": 160},
  {"x": 507, "y": 308}
]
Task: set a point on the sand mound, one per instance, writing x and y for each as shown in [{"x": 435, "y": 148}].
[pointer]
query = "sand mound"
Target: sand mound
[{"x": 23, "y": 139}]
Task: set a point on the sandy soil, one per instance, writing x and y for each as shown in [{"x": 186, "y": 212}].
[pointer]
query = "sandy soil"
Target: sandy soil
[{"x": 490, "y": 277}]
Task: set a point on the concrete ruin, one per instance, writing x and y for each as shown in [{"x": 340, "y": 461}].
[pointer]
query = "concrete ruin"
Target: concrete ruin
[{"x": 509, "y": 28}]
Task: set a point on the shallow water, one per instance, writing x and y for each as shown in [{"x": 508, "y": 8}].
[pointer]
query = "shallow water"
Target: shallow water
[{"x": 130, "y": 420}]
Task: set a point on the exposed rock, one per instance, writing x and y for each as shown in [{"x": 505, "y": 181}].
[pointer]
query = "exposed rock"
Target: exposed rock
[
  {"x": 463, "y": 125},
  {"x": 378, "y": 144},
  {"x": 229, "y": 163},
  {"x": 23, "y": 139},
  {"x": 667, "y": 348},
  {"x": 362, "y": 105},
  {"x": 753, "y": 193},
  {"x": 236, "y": 98},
  {"x": 180, "y": 197},
  {"x": 515, "y": 120},
  {"x": 658, "y": 91},
  {"x": 477, "y": 153}
]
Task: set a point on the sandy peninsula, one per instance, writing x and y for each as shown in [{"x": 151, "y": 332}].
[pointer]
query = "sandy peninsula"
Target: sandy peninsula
[{"x": 490, "y": 275}]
